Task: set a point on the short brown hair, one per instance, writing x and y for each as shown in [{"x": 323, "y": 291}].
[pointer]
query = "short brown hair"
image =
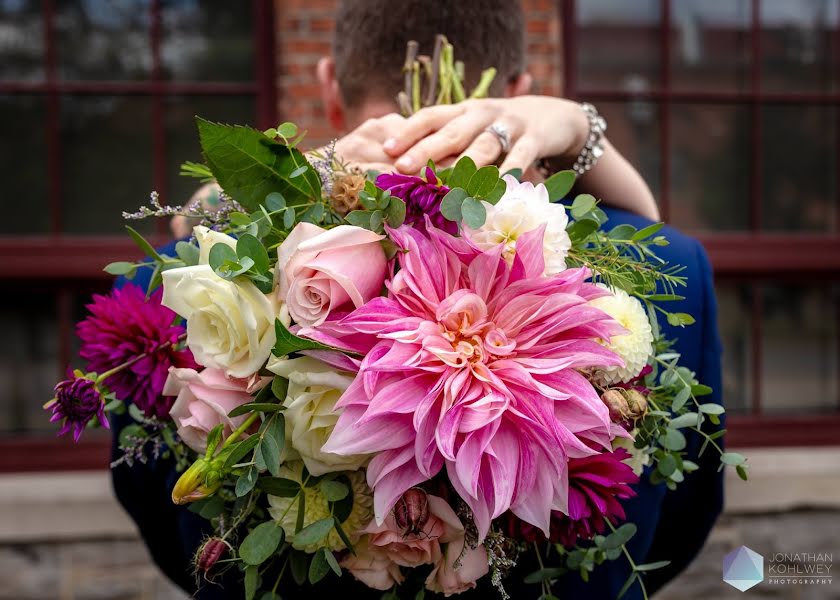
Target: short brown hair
[{"x": 371, "y": 37}]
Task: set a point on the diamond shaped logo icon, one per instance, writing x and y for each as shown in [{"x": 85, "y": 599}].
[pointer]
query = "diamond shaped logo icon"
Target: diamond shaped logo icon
[{"x": 743, "y": 568}]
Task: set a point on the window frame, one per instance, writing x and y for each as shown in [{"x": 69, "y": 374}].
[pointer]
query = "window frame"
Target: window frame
[
  {"x": 73, "y": 261},
  {"x": 737, "y": 256}
]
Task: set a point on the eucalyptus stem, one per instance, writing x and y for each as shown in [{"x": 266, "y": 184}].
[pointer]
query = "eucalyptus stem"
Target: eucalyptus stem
[{"x": 631, "y": 561}]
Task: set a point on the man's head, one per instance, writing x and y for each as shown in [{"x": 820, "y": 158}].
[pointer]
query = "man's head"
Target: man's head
[{"x": 363, "y": 77}]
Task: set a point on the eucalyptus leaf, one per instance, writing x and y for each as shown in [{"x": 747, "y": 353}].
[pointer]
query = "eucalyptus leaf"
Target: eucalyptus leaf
[
  {"x": 450, "y": 206},
  {"x": 245, "y": 483},
  {"x": 288, "y": 343},
  {"x": 241, "y": 450},
  {"x": 261, "y": 543},
  {"x": 318, "y": 567},
  {"x": 247, "y": 246},
  {"x": 483, "y": 181},
  {"x": 121, "y": 268},
  {"x": 582, "y": 204},
  {"x": 187, "y": 252},
  {"x": 278, "y": 486},
  {"x": 462, "y": 172},
  {"x": 560, "y": 184},
  {"x": 473, "y": 213},
  {"x": 145, "y": 246},
  {"x": 275, "y": 201},
  {"x": 313, "y": 533},
  {"x": 333, "y": 491}
]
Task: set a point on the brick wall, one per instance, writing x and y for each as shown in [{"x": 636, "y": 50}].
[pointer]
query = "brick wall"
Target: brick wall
[{"x": 304, "y": 34}]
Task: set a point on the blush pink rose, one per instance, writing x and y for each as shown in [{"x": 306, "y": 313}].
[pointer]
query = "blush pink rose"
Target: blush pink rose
[
  {"x": 204, "y": 400},
  {"x": 371, "y": 566},
  {"x": 323, "y": 270},
  {"x": 413, "y": 550},
  {"x": 447, "y": 580}
]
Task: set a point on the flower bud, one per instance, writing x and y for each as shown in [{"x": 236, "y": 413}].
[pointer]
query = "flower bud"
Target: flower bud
[
  {"x": 617, "y": 405},
  {"x": 411, "y": 512},
  {"x": 209, "y": 553},
  {"x": 637, "y": 404},
  {"x": 201, "y": 480}
]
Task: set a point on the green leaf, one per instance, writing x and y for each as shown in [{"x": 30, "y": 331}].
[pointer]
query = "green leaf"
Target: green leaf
[
  {"x": 264, "y": 407},
  {"x": 450, "y": 206},
  {"x": 581, "y": 229},
  {"x": 359, "y": 218},
  {"x": 667, "y": 465},
  {"x": 395, "y": 213},
  {"x": 333, "y": 491},
  {"x": 280, "y": 387},
  {"x": 249, "y": 166},
  {"x": 710, "y": 408},
  {"x": 245, "y": 483},
  {"x": 672, "y": 439},
  {"x": 497, "y": 192},
  {"x": 187, "y": 252},
  {"x": 220, "y": 254},
  {"x": 620, "y": 536},
  {"x": 653, "y": 566},
  {"x": 377, "y": 217},
  {"x": 701, "y": 390},
  {"x": 252, "y": 577},
  {"x": 288, "y": 218},
  {"x": 213, "y": 439},
  {"x": 742, "y": 472},
  {"x": 684, "y": 420},
  {"x": 462, "y": 172},
  {"x": 273, "y": 443},
  {"x": 544, "y": 574},
  {"x": 319, "y": 567},
  {"x": 680, "y": 319},
  {"x": 622, "y": 232},
  {"x": 627, "y": 585},
  {"x": 681, "y": 398},
  {"x": 515, "y": 172},
  {"x": 288, "y": 343},
  {"x": 209, "y": 508},
  {"x": 299, "y": 563},
  {"x": 240, "y": 451},
  {"x": 340, "y": 531},
  {"x": 583, "y": 204},
  {"x": 145, "y": 246},
  {"x": 473, "y": 212},
  {"x": 483, "y": 181},
  {"x": 275, "y": 201},
  {"x": 301, "y": 514},
  {"x": 646, "y": 232},
  {"x": 313, "y": 533},
  {"x": 121, "y": 268},
  {"x": 732, "y": 458},
  {"x": 277, "y": 486},
  {"x": 261, "y": 543},
  {"x": 560, "y": 184},
  {"x": 247, "y": 246},
  {"x": 287, "y": 130},
  {"x": 332, "y": 562},
  {"x": 299, "y": 171}
]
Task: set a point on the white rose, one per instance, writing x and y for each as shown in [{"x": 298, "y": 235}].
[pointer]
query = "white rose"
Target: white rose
[
  {"x": 521, "y": 209},
  {"x": 230, "y": 324},
  {"x": 314, "y": 388}
]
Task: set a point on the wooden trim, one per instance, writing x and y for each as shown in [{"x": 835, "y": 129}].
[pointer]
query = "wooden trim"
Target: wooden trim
[
  {"x": 25, "y": 454},
  {"x": 764, "y": 430}
]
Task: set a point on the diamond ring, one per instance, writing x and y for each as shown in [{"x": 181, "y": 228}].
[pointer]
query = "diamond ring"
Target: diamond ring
[{"x": 502, "y": 134}]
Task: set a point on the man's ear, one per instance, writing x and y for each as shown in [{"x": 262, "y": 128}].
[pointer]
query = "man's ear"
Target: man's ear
[
  {"x": 330, "y": 94},
  {"x": 519, "y": 86}
]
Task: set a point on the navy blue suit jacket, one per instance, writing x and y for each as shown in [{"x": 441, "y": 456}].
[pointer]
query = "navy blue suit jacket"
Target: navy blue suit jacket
[{"x": 671, "y": 526}]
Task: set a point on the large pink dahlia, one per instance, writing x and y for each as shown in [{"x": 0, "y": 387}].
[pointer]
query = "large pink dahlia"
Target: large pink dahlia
[{"x": 473, "y": 365}]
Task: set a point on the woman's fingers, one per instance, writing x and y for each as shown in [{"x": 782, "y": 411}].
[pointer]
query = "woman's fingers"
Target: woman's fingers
[
  {"x": 452, "y": 139},
  {"x": 484, "y": 150},
  {"x": 522, "y": 155},
  {"x": 419, "y": 125}
]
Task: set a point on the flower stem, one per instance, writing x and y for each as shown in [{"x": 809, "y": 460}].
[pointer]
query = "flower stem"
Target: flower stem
[
  {"x": 128, "y": 363},
  {"x": 241, "y": 429}
]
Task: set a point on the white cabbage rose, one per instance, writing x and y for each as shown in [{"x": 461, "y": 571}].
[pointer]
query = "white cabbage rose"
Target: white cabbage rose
[
  {"x": 230, "y": 324},
  {"x": 523, "y": 208},
  {"x": 314, "y": 388}
]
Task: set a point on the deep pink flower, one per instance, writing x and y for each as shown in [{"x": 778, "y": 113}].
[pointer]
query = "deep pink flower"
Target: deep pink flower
[
  {"x": 422, "y": 197},
  {"x": 473, "y": 366},
  {"x": 124, "y": 325},
  {"x": 77, "y": 401}
]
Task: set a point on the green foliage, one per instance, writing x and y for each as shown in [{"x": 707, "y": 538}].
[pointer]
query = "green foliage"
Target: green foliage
[
  {"x": 313, "y": 533},
  {"x": 560, "y": 184},
  {"x": 289, "y": 343},
  {"x": 261, "y": 543},
  {"x": 249, "y": 165}
]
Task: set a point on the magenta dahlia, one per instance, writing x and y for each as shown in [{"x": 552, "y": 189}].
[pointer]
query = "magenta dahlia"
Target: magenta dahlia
[
  {"x": 124, "y": 325},
  {"x": 77, "y": 401},
  {"x": 422, "y": 196}
]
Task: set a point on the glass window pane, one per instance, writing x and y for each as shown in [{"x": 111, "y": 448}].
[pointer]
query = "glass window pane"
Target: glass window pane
[
  {"x": 618, "y": 44},
  {"x": 796, "y": 45},
  {"x": 24, "y": 156},
  {"x": 799, "y": 348},
  {"x": 799, "y": 168},
  {"x": 182, "y": 137},
  {"x": 106, "y": 161},
  {"x": 633, "y": 128},
  {"x": 103, "y": 40},
  {"x": 28, "y": 359},
  {"x": 22, "y": 40},
  {"x": 208, "y": 40},
  {"x": 734, "y": 321},
  {"x": 710, "y": 45},
  {"x": 709, "y": 169}
]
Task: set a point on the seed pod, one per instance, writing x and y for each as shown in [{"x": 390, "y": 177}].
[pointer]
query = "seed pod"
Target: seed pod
[
  {"x": 345, "y": 193},
  {"x": 637, "y": 404},
  {"x": 209, "y": 554},
  {"x": 411, "y": 512},
  {"x": 617, "y": 404}
]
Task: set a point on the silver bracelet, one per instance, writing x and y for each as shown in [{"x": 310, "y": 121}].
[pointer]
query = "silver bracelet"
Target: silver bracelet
[{"x": 593, "y": 149}]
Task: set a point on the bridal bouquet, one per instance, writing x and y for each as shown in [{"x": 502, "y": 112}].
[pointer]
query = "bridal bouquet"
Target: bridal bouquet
[{"x": 413, "y": 379}]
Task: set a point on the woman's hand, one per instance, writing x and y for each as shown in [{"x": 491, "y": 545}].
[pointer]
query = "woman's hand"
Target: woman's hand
[
  {"x": 363, "y": 147},
  {"x": 539, "y": 126}
]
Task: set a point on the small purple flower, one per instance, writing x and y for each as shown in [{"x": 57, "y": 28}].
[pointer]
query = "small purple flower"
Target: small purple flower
[
  {"x": 422, "y": 197},
  {"x": 77, "y": 401},
  {"x": 124, "y": 325}
]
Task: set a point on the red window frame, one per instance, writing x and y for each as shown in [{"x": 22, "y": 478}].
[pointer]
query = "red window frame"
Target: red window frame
[
  {"x": 74, "y": 262},
  {"x": 748, "y": 255}
]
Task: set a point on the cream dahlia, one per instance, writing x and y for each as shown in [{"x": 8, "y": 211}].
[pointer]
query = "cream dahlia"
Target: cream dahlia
[{"x": 635, "y": 346}]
